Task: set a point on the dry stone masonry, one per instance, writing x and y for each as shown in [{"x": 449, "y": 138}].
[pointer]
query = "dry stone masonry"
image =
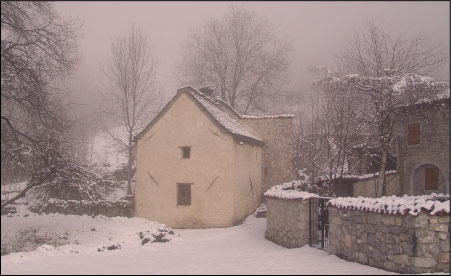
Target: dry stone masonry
[
  {"x": 288, "y": 215},
  {"x": 392, "y": 240},
  {"x": 287, "y": 222},
  {"x": 408, "y": 234}
]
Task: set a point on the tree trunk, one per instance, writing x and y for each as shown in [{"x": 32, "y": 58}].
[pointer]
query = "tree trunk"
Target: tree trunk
[
  {"x": 402, "y": 148},
  {"x": 129, "y": 167},
  {"x": 381, "y": 183},
  {"x": 24, "y": 191},
  {"x": 401, "y": 176}
]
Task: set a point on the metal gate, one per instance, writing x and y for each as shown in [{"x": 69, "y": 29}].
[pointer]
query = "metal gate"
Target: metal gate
[{"x": 319, "y": 223}]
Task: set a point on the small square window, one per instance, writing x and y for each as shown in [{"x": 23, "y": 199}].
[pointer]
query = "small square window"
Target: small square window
[
  {"x": 186, "y": 152},
  {"x": 183, "y": 194}
]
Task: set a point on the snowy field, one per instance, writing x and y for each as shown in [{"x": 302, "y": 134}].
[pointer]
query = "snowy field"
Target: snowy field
[
  {"x": 237, "y": 250},
  {"x": 58, "y": 234}
]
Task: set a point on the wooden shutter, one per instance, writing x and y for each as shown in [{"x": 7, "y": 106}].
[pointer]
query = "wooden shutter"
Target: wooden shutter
[
  {"x": 184, "y": 194},
  {"x": 414, "y": 134},
  {"x": 431, "y": 179}
]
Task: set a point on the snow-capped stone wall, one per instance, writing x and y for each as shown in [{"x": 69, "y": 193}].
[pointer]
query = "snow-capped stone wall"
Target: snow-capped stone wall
[
  {"x": 288, "y": 215},
  {"x": 394, "y": 205},
  {"x": 406, "y": 235},
  {"x": 288, "y": 191},
  {"x": 287, "y": 222}
]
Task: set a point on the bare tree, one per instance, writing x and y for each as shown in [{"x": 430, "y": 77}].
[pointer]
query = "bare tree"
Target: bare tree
[
  {"x": 373, "y": 52},
  {"x": 379, "y": 101},
  {"x": 131, "y": 71},
  {"x": 37, "y": 48},
  {"x": 240, "y": 56},
  {"x": 323, "y": 148}
]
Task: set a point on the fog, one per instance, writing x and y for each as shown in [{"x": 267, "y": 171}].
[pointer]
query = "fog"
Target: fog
[{"x": 316, "y": 30}]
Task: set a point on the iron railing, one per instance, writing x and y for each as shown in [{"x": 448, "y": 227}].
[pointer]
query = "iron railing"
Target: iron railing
[{"x": 319, "y": 223}]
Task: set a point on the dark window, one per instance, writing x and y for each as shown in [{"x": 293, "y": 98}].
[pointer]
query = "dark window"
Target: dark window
[
  {"x": 431, "y": 179},
  {"x": 186, "y": 151},
  {"x": 414, "y": 134},
  {"x": 183, "y": 194}
]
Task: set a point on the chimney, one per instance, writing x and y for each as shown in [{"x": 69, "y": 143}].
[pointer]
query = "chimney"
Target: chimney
[{"x": 207, "y": 91}]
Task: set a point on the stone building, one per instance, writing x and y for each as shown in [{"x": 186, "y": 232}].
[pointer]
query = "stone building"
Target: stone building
[
  {"x": 423, "y": 148},
  {"x": 420, "y": 153},
  {"x": 200, "y": 164}
]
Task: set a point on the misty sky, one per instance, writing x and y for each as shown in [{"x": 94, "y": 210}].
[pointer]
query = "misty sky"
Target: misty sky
[{"x": 316, "y": 30}]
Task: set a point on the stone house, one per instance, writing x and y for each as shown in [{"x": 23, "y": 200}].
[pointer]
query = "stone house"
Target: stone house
[
  {"x": 423, "y": 151},
  {"x": 200, "y": 164},
  {"x": 420, "y": 153}
]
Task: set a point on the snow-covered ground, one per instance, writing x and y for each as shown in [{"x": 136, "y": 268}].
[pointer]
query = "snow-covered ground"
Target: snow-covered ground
[
  {"x": 237, "y": 250},
  {"x": 84, "y": 235}
]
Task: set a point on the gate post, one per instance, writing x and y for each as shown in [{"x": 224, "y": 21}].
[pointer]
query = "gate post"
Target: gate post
[{"x": 310, "y": 222}]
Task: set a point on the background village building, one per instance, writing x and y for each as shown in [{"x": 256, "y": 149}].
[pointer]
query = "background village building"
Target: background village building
[
  {"x": 200, "y": 164},
  {"x": 420, "y": 153},
  {"x": 423, "y": 150}
]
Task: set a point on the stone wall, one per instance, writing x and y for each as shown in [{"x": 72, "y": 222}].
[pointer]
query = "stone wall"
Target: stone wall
[
  {"x": 404, "y": 244},
  {"x": 120, "y": 208},
  {"x": 367, "y": 187},
  {"x": 287, "y": 222}
]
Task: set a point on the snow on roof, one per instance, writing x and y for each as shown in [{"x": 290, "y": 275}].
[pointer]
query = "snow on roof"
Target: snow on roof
[
  {"x": 406, "y": 80},
  {"x": 288, "y": 191},
  {"x": 213, "y": 109},
  {"x": 223, "y": 118},
  {"x": 241, "y": 116},
  {"x": 399, "y": 84},
  {"x": 358, "y": 177},
  {"x": 395, "y": 205},
  {"x": 225, "y": 104},
  {"x": 267, "y": 116},
  {"x": 443, "y": 95}
]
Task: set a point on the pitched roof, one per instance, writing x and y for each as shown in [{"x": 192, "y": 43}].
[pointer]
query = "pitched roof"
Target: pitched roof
[{"x": 219, "y": 117}]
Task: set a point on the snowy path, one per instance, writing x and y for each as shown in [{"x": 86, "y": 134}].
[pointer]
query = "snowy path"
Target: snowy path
[{"x": 237, "y": 250}]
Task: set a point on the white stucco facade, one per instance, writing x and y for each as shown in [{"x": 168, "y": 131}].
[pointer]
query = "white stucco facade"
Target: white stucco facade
[{"x": 231, "y": 164}]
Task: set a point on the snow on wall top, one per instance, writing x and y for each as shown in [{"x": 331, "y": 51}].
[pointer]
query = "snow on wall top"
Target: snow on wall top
[
  {"x": 222, "y": 117},
  {"x": 394, "y": 205},
  {"x": 288, "y": 191}
]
